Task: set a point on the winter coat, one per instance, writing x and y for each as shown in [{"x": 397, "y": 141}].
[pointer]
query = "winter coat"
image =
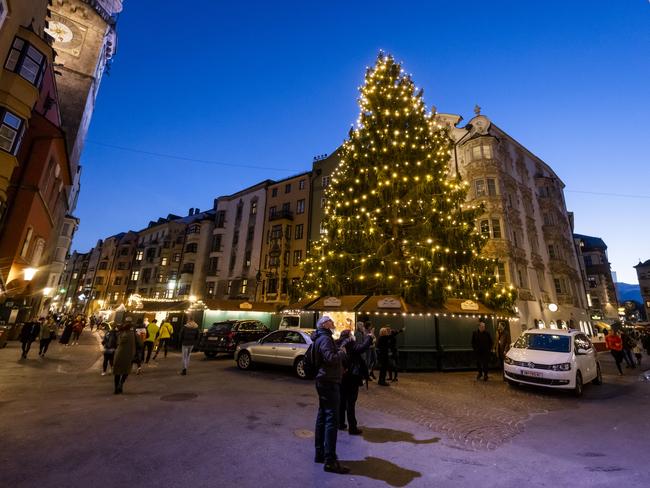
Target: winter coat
[
  {"x": 383, "y": 348},
  {"x": 614, "y": 342},
  {"x": 109, "y": 341},
  {"x": 152, "y": 332},
  {"x": 125, "y": 352},
  {"x": 166, "y": 330},
  {"x": 47, "y": 329},
  {"x": 481, "y": 342},
  {"x": 356, "y": 368},
  {"x": 190, "y": 334},
  {"x": 30, "y": 331},
  {"x": 328, "y": 357}
]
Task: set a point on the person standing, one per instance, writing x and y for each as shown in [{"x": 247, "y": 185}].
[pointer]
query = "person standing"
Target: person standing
[
  {"x": 371, "y": 354},
  {"x": 383, "y": 354},
  {"x": 109, "y": 343},
  {"x": 124, "y": 354},
  {"x": 393, "y": 354},
  {"x": 46, "y": 334},
  {"x": 614, "y": 343},
  {"x": 328, "y": 383},
  {"x": 28, "y": 334},
  {"x": 152, "y": 333},
  {"x": 353, "y": 377},
  {"x": 189, "y": 338},
  {"x": 77, "y": 328},
  {"x": 482, "y": 345}
]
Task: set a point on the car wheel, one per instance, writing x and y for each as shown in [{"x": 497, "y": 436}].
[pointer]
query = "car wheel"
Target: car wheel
[
  {"x": 210, "y": 354},
  {"x": 299, "y": 367},
  {"x": 244, "y": 360},
  {"x": 598, "y": 380},
  {"x": 578, "y": 387}
]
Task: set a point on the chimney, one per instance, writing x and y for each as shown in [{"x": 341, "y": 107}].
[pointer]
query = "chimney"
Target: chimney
[
  {"x": 196, "y": 211},
  {"x": 215, "y": 204},
  {"x": 191, "y": 212}
]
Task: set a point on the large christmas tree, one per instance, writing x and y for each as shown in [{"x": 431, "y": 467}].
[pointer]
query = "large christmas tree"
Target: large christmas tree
[{"x": 396, "y": 222}]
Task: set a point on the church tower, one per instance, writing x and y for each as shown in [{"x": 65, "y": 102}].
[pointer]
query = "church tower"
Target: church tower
[{"x": 84, "y": 41}]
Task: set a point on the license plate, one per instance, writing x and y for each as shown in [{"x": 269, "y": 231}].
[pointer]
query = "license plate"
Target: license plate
[
  {"x": 534, "y": 374},
  {"x": 214, "y": 338}
]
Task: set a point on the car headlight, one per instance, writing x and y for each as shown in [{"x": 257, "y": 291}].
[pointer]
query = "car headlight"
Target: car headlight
[
  {"x": 561, "y": 367},
  {"x": 507, "y": 360}
]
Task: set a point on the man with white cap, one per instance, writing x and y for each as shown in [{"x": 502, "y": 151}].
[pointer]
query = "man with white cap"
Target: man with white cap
[{"x": 328, "y": 360}]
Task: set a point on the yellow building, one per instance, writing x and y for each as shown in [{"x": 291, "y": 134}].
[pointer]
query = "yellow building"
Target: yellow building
[{"x": 25, "y": 54}]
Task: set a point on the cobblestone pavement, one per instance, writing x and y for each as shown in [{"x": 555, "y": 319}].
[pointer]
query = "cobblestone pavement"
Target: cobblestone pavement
[{"x": 474, "y": 414}]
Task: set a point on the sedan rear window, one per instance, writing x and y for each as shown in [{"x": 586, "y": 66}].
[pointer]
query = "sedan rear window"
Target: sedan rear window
[
  {"x": 544, "y": 342},
  {"x": 221, "y": 327}
]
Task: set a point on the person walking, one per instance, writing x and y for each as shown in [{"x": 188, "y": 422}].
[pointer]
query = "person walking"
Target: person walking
[
  {"x": 28, "y": 334},
  {"x": 328, "y": 360},
  {"x": 614, "y": 343},
  {"x": 356, "y": 372},
  {"x": 383, "y": 354},
  {"x": 47, "y": 334},
  {"x": 152, "y": 333},
  {"x": 628, "y": 346},
  {"x": 482, "y": 345},
  {"x": 67, "y": 331},
  {"x": 189, "y": 337},
  {"x": 109, "y": 343},
  {"x": 164, "y": 336},
  {"x": 124, "y": 354},
  {"x": 371, "y": 353},
  {"x": 77, "y": 328}
]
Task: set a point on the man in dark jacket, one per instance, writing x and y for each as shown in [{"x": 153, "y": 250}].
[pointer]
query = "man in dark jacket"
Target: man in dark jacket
[
  {"x": 189, "y": 337},
  {"x": 356, "y": 372},
  {"x": 28, "y": 334},
  {"x": 482, "y": 345},
  {"x": 328, "y": 382}
]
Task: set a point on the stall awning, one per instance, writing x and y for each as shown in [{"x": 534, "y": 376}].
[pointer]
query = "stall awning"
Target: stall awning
[
  {"x": 391, "y": 304},
  {"x": 347, "y": 303},
  {"x": 301, "y": 304},
  {"x": 163, "y": 306},
  {"x": 239, "y": 305},
  {"x": 464, "y": 306}
]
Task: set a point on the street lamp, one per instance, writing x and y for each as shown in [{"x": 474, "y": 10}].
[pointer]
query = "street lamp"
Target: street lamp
[
  {"x": 29, "y": 273},
  {"x": 552, "y": 307}
]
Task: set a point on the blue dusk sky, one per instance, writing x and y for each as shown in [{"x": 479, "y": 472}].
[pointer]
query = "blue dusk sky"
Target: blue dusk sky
[{"x": 262, "y": 87}]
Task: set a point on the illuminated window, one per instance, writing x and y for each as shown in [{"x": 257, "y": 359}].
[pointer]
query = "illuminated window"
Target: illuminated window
[
  {"x": 297, "y": 257},
  {"x": 326, "y": 181},
  {"x": 139, "y": 255},
  {"x": 163, "y": 261},
  {"x": 135, "y": 275},
  {"x": 244, "y": 286}
]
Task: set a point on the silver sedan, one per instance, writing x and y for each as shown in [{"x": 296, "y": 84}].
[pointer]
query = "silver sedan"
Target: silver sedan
[{"x": 285, "y": 347}]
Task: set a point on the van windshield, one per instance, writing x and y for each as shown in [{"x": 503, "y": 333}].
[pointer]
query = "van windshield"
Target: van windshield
[{"x": 544, "y": 342}]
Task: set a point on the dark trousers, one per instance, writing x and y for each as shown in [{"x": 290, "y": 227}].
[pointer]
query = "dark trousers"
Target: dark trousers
[
  {"x": 618, "y": 357},
  {"x": 629, "y": 359},
  {"x": 482, "y": 361},
  {"x": 148, "y": 349},
  {"x": 392, "y": 368},
  {"x": 44, "y": 344},
  {"x": 108, "y": 359},
  {"x": 119, "y": 381},
  {"x": 383, "y": 368},
  {"x": 75, "y": 336},
  {"x": 26, "y": 347},
  {"x": 327, "y": 422},
  {"x": 349, "y": 395},
  {"x": 161, "y": 344}
]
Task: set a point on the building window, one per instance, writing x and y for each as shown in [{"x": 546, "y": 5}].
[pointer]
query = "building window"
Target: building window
[
  {"x": 301, "y": 185},
  {"x": 103, "y": 265},
  {"x": 297, "y": 257},
  {"x": 233, "y": 261},
  {"x": 540, "y": 280},
  {"x": 482, "y": 151},
  {"x": 11, "y": 129},
  {"x": 135, "y": 275},
  {"x": 287, "y": 188},
  {"x": 99, "y": 280},
  {"x": 551, "y": 251},
  {"x": 326, "y": 181},
  {"x": 244, "y": 286},
  {"x": 247, "y": 259},
  {"x": 559, "y": 285},
  {"x": 491, "y": 187},
  {"x": 229, "y": 287},
  {"x": 139, "y": 255},
  {"x": 500, "y": 272},
  {"x": 27, "y": 61},
  {"x": 193, "y": 229},
  {"x": 188, "y": 268},
  {"x": 300, "y": 206},
  {"x": 323, "y": 202},
  {"x": 28, "y": 240},
  {"x": 479, "y": 186},
  {"x": 192, "y": 247},
  {"x": 210, "y": 288},
  {"x": 235, "y": 238},
  {"x": 240, "y": 211},
  {"x": 485, "y": 187},
  {"x": 274, "y": 192},
  {"x": 213, "y": 266},
  {"x": 253, "y": 207},
  {"x": 523, "y": 277},
  {"x": 299, "y": 231},
  {"x": 250, "y": 235},
  {"x": 272, "y": 211},
  {"x": 177, "y": 257},
  {"x": 163, "y": 261},
  {"x": 220, "y": 219},
  {"x": 160, "y": 278},
  {"x": 216, "y": 243},
  {"x": 146, "y": 275},
  {"x": 286, "y": 208},
  {"x": 496, "y": 229},
  {"x": 74, "y": 275}
]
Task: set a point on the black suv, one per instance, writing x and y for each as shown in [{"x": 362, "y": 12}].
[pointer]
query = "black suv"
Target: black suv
[{"x": 224, "y": 336}]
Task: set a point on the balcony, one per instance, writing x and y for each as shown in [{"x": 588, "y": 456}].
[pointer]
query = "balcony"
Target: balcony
[{"x": 281, "y": 215}]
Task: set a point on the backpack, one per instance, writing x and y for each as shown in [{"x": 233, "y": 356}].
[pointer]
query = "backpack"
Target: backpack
[{"x": 310, "y": 362}]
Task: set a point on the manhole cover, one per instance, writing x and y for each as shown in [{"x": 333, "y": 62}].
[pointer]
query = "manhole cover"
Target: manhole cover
[
  {"x": 178, "y": 397},
  {"x": 303, "y": 434}
]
